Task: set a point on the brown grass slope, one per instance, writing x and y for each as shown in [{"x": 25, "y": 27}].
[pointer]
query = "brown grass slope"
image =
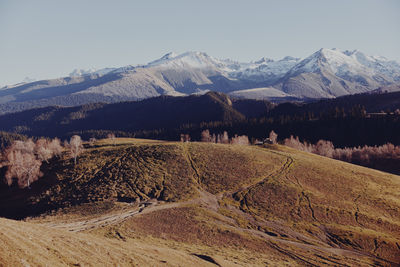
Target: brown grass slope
[
  {"x": 223, "y": 203},
  {"x": 27, "y": 244}
]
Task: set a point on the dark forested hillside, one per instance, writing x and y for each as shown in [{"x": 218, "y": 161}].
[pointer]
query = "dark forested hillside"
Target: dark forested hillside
[
  {"x": 7, "y": 138},
  {"x": 155, "y": 113},
  {"x": 346, "y": 121},
  {"x": 372, "y": 103}
]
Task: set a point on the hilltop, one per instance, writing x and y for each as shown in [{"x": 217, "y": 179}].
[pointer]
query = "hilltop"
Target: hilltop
[{"x": 209, "y": 203}]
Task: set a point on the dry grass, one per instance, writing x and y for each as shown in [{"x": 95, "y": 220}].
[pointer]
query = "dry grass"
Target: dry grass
[
  {"x": 236, "y": 204},
  {"x": 27, "y": 244}
]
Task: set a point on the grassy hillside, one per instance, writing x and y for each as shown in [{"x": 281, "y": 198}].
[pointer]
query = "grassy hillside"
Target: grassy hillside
[{"x": 223, "y": 203}]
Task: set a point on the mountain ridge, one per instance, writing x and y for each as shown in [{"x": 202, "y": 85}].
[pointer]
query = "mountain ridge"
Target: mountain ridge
[{"x": 327, "y": 73}]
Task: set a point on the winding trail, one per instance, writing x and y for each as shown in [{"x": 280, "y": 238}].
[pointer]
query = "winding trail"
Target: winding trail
[
  {"x": 211, "y": 202},
  {"x": 111, "y": 219}
]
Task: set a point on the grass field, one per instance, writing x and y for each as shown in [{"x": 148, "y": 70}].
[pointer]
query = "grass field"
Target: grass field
[{"x": 151, "y": 203}]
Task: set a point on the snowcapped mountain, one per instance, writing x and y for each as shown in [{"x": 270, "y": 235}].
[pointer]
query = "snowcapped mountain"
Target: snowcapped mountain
[
  {"x": 25, "y": 80},
  {"x": 92, "y": 71},
  {"x": 327, "y": 73},
  {"x": 265, "y": 69},
  {"x": 330, "y": 73}
]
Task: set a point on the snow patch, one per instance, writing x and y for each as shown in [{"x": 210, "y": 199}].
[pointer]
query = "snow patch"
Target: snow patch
[{"x": 259, "y": 93}]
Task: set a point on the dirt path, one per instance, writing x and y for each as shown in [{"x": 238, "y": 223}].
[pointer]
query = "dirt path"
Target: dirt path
[
  {"x": 210, "y": 201},
  {"x": 112, "y": 218}
]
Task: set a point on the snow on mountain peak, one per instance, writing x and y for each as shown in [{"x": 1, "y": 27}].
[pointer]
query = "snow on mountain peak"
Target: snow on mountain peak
[
  {"x": 28, "y": 80},
  {"x": 263, "y": 60},
  {"x": 330, "y": 59},
  {"x": 82, "y": 72},
  {"x": 169, "y": 55},
  {"x": 289, "y": 58},
  {"x": 188, "y": 59}
]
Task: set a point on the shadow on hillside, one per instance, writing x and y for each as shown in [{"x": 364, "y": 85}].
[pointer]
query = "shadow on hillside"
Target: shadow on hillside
[{"x": 16, "y": 203}]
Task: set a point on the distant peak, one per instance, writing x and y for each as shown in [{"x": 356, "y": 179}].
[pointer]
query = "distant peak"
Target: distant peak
[
  {"x": 264, "y": 60},
  {"x": 327, "y": 50},
  {"x": 194, "y": 53},
  {"x": 287, "y": 58},
  {"x": 28, "y": 80},
  {"x": 169, "y": 55},
  {"x": 328, "y": 53},
  {"x": 353, "y": 52}
]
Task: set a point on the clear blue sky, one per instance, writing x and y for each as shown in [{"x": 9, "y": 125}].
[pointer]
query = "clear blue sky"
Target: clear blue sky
[{"x": 49, "y": 38}]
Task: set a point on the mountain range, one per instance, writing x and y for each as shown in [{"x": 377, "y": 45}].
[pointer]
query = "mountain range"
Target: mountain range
[{"x": 327, "y": 73}]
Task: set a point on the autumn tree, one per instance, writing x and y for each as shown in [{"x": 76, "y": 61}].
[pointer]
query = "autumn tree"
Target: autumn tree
[
  {"x": 240, "y": 140},
  {"x": 42, "y": 150},
  {"x": 92, "y": 141},
  {"x": 225, "y": 138},
  {"x": 25, "y": 167},
  {"x": 46, "y": 149},
  {"x": 273, "y": 137},
  {"x": 213, "y": 138},
  {"x": 75, "y": 147},
  {"x": 185, "y": 138},
  {"x": 23, "y": 159},
  {"x": 219, "y": 139},
  {"x": 55, "y": 147},
  {"x": 27, "y": 146},
  {"x": 205, "y": 136},
  {"x": 295, "y": 143},
  {"x": 111, "y": 136},
  {"x": 324, "y": 148}
]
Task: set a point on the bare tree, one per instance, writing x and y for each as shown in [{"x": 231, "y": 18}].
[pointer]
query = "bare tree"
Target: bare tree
[
  {"x": 296, "y": 144},
  {"x": 240, "y": 140},
  {"x": 225, "y": 138},
  {"x": 273, "y": 137},
  {"x": 75, "y": 147},
  {"x": 45, "y": 149},
  {"x": 24, "y": 159},
  {"x": 205, "y": 136},
  {"x": 42, "y": 150},
  {"x": 55, "y": 147},
  {"x": 92, "y": 141},
  {"x": 111, "y": 136},
  {"x": 213, "y": 138},
  {"x": 324, "y": 148},
  {"x": 23, "y": 166},
  {"x": 27, "y": 146},
  {"x": 219, "y": 138},
  {"x": 185, "y": 138}
]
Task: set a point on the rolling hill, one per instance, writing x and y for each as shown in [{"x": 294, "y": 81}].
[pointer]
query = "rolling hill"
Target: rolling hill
[{"x": 151, "y": 202}]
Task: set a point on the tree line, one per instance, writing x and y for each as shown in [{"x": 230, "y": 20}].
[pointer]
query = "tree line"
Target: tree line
[
  {"x": 385, "y": 157},
  {"x": 220, "y": 138},
  {"x": 23, "y": 158}
]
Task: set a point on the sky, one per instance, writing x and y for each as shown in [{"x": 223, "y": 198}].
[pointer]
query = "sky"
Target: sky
[{"x": 44, "y": 39}]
